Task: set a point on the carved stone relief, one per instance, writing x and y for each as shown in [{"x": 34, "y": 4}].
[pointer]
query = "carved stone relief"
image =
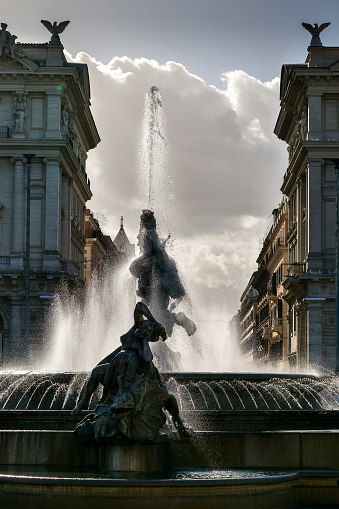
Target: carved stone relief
[{"x": 19, "y": 112}]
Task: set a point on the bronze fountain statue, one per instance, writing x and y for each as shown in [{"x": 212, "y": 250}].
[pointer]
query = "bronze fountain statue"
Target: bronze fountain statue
[
  {"x": 134, "y": 396},
  {"x": 159, "y": 287}
]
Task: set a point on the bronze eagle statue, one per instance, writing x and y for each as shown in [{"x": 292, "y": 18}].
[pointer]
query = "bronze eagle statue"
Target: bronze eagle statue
[
  {"x": 55, "y": 29},
  {"x": 315, "y": 31}
]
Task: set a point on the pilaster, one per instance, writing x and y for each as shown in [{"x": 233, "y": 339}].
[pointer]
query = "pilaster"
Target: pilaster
[
  {"x": 66, "y": 217},
  {"x": 302, "y": 346},
  {"x": 18, "y": 213},
  {"x": 314, "y": 226},
  {"x": 13, "y": 351},
  {"x": 315, "y": 332},
  {"x": 52, "y": 215}
]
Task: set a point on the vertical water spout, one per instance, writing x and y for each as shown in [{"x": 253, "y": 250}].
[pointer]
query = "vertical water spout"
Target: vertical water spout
[
  {"x": 156, "y": 186},
  {"x": 154, "y": 144}
]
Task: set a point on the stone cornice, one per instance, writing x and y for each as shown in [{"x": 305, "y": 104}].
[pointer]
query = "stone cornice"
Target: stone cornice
[
  {"x": 33, "y": 81},
  {"x": 299, "y": 79},
  {"x": 307, "y": 151}
]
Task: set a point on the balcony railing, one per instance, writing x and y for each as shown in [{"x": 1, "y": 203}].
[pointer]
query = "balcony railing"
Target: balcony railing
[
  {"x": 5, "y": 132},
  {"x": 276, "y": 324},
  {"x": 296, "y": 268},
  {"x": 267, "y": 333},
  {"x": 5, "y": 262}
]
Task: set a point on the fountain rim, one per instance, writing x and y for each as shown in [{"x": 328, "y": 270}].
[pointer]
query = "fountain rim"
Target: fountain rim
[
  {"x": 191, "y": 375},
  {"x": 109, "y": 482}
]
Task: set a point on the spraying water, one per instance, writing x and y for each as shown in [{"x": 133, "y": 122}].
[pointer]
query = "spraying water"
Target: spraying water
[
  {"x": 156, "y": 179},
  {"x": 83, "y": 332}
]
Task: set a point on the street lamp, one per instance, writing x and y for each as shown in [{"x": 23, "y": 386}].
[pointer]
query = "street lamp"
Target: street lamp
[
  {"x": 28, "y": 158},
  {"x": 336, "y": 166}
]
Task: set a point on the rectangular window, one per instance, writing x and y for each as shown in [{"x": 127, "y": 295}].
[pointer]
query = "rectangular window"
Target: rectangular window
[
  {"x": 36, "y": 223},
  {"x": 280, "y": 308},
  {"x": 37, "y": 113},
  {"x": 6, "y": 114},
  {"x": 331, "y": 114},
  {"x": 330, "y": 218}
]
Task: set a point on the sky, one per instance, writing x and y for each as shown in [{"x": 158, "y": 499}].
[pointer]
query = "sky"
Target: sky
[{"x": 217, "y": 64}]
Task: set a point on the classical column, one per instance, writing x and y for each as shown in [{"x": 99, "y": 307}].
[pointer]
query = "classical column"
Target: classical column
[
  {"x": 18, "y": 213},
  {"x": 53, "y": 115},
  {"x": 13, "y": 351},
  {"x": 52, "y": 215},
  {"x": 66, "y": 217},
  {"x": 302, "y": 340},
  {"x": 299, "y": 217},
  {"x": 315, "y": 331},
  {"x": 314, "y": 208},
  {"x": 303, "y": 213}
]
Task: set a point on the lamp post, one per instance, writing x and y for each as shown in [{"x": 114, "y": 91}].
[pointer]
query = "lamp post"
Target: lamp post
[
  {"x": 336, "y": 166},
  {"x": 28, "y": 158}
]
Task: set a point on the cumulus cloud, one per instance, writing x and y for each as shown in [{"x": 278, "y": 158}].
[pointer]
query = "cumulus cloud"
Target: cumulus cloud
[{"x": 225, "y": 162}]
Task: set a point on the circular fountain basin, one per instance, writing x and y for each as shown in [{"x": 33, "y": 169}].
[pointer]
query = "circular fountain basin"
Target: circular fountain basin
[
  {"x": 184, "y": 489},
  {"x": 194, "y": 391}
]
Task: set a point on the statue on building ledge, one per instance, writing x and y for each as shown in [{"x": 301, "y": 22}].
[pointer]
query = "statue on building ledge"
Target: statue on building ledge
[
  {"x": 315, "y": 31},
  {"x": 55, "y": 29},
  {"x": 7, "y": 43}
]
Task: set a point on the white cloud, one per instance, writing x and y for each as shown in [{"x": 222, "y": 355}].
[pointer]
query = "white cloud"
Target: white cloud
[{"x": 227, "y": 165}]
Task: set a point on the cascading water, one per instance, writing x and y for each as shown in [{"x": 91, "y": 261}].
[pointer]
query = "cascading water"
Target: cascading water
[
  {"x": 83, "y": 331},
  {"x": 203, "y": 392}
]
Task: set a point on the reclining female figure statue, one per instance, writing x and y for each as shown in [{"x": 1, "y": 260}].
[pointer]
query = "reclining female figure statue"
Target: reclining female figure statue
[{"x": 133, "y": 394}]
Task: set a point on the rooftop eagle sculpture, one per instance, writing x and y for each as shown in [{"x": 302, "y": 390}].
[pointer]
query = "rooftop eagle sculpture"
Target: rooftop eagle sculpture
[
  {"x": 315, "y": 31},
  {"x": 55, "y": 29}
]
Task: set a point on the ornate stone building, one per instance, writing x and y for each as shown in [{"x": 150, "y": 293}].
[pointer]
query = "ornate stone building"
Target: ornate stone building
[
  {"x": 262, "y": 316},
  {"x": 45, "y": 111},
  {"x": 101, "y": 254},
  {"x": 295, "y": 280},
  {"x": 309, "y": 123}
]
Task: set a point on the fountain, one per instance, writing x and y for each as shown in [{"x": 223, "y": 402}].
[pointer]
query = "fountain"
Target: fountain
[{"x": 265, "y": 439}]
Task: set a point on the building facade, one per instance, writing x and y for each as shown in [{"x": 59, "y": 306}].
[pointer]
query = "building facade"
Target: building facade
[
  {"x": 309, "y": 123},
  {"x": 100, "y": 252},
  {"x": 44, "y": 111},
  {"x": 295, "y": 280},
  {"x": 262, "y": 315},
  {"x": 272, "y": 307}
]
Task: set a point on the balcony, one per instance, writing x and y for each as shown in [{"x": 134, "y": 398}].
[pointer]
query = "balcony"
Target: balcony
[
  {"x": 296, "y": 268},
  {"x": 276, "y": 325},
  {"x": 266, "y": 332}
]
